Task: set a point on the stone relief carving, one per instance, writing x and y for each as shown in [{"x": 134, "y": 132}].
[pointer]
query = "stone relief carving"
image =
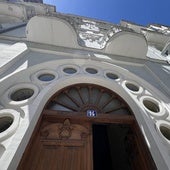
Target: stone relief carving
[
  {"x": 92, "y": 33},
  {"x": 66, "y": 130},
  {"x": 63, "y": 131}
]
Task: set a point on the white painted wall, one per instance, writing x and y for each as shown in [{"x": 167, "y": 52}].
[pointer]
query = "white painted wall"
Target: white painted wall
[
  {"x": 31, "y": 109},
  {"x": 53, "y": 47}
]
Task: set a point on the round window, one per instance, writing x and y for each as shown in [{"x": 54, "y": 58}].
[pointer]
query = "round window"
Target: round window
[
  {"x": 46, "y": 77},
  {"x": 151, "y": 106},
  {"x": 91, "y": 70},
  {"x": 112, "y": 76},
  {"x": 132, "y": 87},
  {"x": 5, "y": 123},
  {"x": 70, "y": 70},
  {"x": 22, "y": 94},
  {"x": 165, "y": 131}
]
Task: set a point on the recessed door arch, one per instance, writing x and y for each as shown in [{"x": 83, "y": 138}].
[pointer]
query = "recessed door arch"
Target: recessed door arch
[
  {"x": 81, "y": 97},
  {"x": 63, "y": 138}
]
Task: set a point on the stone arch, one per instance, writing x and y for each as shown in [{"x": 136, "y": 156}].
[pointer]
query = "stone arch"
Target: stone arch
[
  {"x": 35, "y": 108},
  {"x": 52, "y": 132},
  {"x": 82, "y": 97}
]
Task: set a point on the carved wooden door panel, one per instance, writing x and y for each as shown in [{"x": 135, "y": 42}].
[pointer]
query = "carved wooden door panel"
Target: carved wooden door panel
[{"x": 60, "y": 146}]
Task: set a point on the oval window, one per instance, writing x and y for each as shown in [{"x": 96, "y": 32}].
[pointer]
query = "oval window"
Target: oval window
[
  {"x": 70, "y": 70},
  {"x": 151, "y": 106},
  {"x": 132, "y": 87},
  {"x": 165, "y": 132},
  {"x": 112, "y": 76},
  {"x": 22, "y": 94},
  {"x": 91, "y": 70},
  {"x": 46, "y": 77},
  {"x": 5, "y": 123}
]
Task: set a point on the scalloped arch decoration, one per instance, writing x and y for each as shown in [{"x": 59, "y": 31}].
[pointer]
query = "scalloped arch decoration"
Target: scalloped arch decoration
[
  {"x": 51, "y": 30},
  {"x": 127, "y": 44}
]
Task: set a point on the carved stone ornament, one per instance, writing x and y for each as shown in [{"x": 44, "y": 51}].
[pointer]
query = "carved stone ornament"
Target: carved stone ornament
[
  {"x": 65, "y": 130},
  {"x": 92, "y": 33}
]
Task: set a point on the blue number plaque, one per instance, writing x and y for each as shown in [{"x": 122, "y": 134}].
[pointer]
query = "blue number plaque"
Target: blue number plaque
[{"x": 91, "y": 113}]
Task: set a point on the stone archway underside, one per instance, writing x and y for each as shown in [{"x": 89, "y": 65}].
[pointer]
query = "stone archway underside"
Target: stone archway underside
[{"x": 82, "y": 97}]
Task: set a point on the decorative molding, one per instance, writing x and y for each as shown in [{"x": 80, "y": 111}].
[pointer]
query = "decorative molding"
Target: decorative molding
[
  {"x": 66, "y": 132},
  {"x": 92, "y": 33}
]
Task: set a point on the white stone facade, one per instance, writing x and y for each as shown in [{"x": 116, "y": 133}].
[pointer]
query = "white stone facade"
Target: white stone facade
[{"x": 137, "y": 57}]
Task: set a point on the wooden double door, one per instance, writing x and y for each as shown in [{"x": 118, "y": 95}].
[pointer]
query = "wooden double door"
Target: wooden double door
[
  {"x": 64, "y": 143},
  {"x": 59, "y": 145},
  {"x": 86, "y": 127}
]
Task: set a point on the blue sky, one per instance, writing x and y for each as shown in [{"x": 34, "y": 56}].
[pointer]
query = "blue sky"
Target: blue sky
[{"x": 141, "y": 12}]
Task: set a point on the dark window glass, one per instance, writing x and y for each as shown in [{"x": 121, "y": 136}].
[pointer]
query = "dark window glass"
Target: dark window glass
[
  {"x": 5, "y": 123},
  {"x": 46, "y": 77},
  {"x": 22, "y": 94}
]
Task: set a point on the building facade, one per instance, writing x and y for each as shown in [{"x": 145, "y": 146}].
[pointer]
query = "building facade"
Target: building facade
[{"x": 60, "y": 75}]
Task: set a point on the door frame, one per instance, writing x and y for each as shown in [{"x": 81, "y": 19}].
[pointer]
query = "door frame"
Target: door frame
[
  {"x": 101, "y": 118},
  {"x": 146, "y": 161}
]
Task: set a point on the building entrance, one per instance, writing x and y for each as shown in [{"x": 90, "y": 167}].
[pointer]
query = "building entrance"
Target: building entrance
[{"x": 86, "y": 127}]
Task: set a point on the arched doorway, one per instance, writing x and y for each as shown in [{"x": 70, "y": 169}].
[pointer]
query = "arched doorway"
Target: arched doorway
[{"x": 85, "y": 127}]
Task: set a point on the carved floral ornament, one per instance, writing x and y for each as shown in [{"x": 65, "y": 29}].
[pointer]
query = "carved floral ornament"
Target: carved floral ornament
[
  {"x": 93, "y": 34},
  {"x": 63, "y": 131}
]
